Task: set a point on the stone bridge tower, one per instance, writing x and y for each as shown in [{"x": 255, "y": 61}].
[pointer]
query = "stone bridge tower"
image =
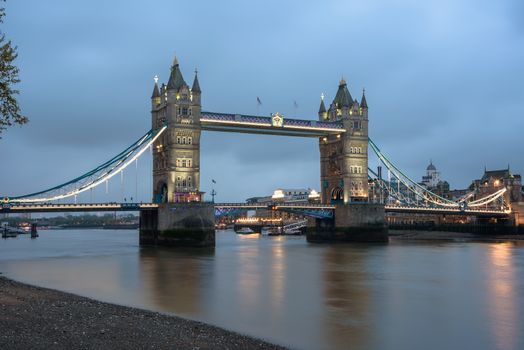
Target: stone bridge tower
[
  {"x": 344, "y": 158},
  {"x": 344, "y": 175},
  {"x": 176, "y": 154},
  {"x": 181, "y": 219}
]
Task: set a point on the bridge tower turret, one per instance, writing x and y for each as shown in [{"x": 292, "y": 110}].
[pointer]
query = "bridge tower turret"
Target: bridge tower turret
[
  {"x": 176, "y": 154},
  {"x": 155, "y": 97},
  {"x": 322, "y": 113},
  {"x": 344, "y": 157}
]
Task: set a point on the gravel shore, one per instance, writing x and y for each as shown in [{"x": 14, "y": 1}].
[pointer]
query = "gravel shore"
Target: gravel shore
[{"x": 39, "y": 318}]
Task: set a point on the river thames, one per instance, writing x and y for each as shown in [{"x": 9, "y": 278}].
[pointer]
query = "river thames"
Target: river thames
[{"x": 424, "y": 295}]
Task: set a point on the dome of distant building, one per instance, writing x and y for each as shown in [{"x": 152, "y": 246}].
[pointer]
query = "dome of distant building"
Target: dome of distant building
[{"x": 432, "y": 177}]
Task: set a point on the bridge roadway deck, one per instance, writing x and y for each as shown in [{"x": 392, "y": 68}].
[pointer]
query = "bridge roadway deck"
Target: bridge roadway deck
[
  {"x": 71, "y": 207},
  {"x": 101, "y": 207},
  {"x": 446, "y": 211},
  {"x": 212, "y": 121}
]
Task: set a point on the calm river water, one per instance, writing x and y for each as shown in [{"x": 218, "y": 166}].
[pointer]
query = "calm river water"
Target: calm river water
[{"x": 393, "y": 296}]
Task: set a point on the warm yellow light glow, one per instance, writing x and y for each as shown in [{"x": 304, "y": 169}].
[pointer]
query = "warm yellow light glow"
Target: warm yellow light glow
[
  {"x": 313, "y": 194},
  {"x": 278, "y": 194},
  {"x": 313, "y": 128},
  {"x": 257, "y": 220}
]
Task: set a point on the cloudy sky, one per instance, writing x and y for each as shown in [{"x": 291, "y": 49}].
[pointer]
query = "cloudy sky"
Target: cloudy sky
[{"x": 444, "y": 81}]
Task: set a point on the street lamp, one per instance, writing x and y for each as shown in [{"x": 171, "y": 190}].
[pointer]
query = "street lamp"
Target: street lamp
[{"x": 213, "y": 192}]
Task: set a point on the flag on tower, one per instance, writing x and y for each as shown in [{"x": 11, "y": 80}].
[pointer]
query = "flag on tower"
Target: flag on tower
[
  {"x": 213, "y": 181},
  {"x": 258, "y": 101}
]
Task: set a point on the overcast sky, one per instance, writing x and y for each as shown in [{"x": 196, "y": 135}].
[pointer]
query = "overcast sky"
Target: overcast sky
[{"x": 444, "y": 81}]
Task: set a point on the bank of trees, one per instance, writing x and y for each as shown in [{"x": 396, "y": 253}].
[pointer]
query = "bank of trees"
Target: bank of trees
[{"x": 10, "y": 112}]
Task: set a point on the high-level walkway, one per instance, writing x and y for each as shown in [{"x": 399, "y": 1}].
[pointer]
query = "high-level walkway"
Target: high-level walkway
[{"x": 212, "y": 121}]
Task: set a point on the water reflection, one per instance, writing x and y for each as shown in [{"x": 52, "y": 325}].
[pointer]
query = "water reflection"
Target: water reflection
[
  {"x": 502, "y": 295},
  {"x": 175, "y": 279},
  {"x": 307, "y": 296},
  {"x": 248, "y": 275},
  {"x": 347, "y": 298}
]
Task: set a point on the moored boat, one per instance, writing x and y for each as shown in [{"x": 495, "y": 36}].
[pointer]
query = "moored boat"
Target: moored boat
[
  {"x": 273, "y": 231},
  {"x": 245, "y": 231},
  {"x": 8, "y": 232}
]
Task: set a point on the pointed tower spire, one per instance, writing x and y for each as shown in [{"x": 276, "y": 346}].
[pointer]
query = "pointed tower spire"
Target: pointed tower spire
[
  {"x": 196, "y": 85},
  {"x": 176, "y": 80},
  {"x": 363, "y": 102},
  {"x": 343, "y": 97}
]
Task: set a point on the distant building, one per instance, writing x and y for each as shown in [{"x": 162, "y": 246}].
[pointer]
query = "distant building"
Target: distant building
[
  {"x": 298, "y": 196},
  {"x": 494, "y": 180},
  {"x": 432, "y": 177},
  {"x": 432, "y": 182},
  {"x": 301, "y": 195}
]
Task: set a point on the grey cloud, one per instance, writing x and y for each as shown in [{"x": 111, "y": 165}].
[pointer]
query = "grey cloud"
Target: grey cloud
[{"x": 442, "y": 82}]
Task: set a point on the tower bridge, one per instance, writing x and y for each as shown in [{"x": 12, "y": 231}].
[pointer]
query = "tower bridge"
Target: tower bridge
[{"x": 354, "y": 199}]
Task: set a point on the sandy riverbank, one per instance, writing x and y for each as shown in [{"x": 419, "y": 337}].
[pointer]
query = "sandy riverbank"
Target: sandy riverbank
[
  {"x": 451, "y": 236},
  {"x": 39, "y": 318}
]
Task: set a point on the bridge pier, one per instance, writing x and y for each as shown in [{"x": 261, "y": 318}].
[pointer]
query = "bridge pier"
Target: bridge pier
[
  {"x": 179, "y": 225},
  {"x": 355, "y": 222}
]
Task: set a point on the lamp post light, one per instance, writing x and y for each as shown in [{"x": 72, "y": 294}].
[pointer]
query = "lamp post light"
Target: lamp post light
[{"x": 213, "y": 192}]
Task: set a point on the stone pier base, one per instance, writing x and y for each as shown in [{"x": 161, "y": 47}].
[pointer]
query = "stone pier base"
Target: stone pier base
[
  {"x": 178, "y": 224},
  {"x": 518, "y": 213},
  {"x": 356, "y": 222}
]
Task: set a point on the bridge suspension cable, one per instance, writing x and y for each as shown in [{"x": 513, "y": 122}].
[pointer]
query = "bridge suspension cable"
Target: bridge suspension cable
[
  {"x": 96, "y": 176},
  {"x": 414, "y": 193}
]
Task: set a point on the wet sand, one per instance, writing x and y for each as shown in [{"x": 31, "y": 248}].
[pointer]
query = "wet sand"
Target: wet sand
[{"x": 39, "y": 318}]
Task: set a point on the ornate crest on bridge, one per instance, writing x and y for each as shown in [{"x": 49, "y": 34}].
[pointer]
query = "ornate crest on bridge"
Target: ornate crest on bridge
[{"x": 277, "y": 120}]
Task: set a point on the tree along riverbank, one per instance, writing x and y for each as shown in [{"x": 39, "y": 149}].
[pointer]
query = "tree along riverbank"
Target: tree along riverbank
[{"x": 38, "y": 318}]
